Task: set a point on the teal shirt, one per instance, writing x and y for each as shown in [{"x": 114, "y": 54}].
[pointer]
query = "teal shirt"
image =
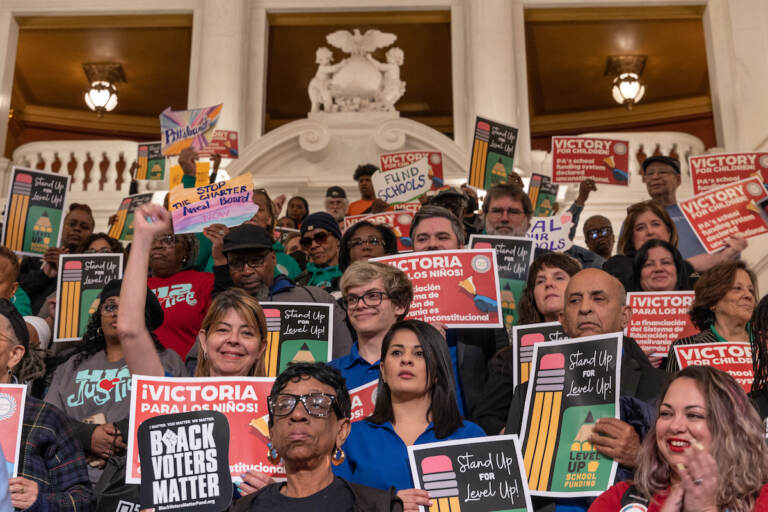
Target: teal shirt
[{"x": 21, "y": 300}]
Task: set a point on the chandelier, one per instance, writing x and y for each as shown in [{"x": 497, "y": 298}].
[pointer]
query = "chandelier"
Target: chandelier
[
  {"x": 102, "y": 95},
  {"x": 627, "y": 89}
]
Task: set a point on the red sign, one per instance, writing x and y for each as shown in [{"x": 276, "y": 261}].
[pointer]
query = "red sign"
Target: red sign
[
  {"x": 363, "y": 400},
  {"x": 710, "y": 171},
  {"x": 732, "y": 357},
  {"x": 398, "y": 221},
  {"x": 243, "y": 400},
  {"x": 575, "y": 159},
  {"x": 458, "y": 288},
  {"x": 720, "y": 213},
  {"x": 224, "y": 143},
  {"x": 658, "y": 319},
  {"x": 12, "y": 398},
  {"x": 389, "y": 161}
]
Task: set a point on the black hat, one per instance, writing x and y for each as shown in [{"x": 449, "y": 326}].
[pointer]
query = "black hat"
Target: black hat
[
  {"x": 247, "y": 236},
  {"x": 672, "y": 162},
  {"x": 335, "y": 192},
  {"x": 9, "y": 311},
  {"x": 449, "y": 192},
  {"x": 322, "y": 220},
  {"x": 153, "y": 311}
]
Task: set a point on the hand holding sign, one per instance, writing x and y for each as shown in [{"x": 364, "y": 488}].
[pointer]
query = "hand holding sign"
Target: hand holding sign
[{"x": 617, "y": 440}]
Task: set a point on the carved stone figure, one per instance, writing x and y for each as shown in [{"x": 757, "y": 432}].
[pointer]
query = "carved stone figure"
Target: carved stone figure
[{"x": 319, "y": 87}]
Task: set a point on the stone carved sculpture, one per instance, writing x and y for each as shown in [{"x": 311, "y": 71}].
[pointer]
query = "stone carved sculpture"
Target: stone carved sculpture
[{"x": 359, "y": 83}]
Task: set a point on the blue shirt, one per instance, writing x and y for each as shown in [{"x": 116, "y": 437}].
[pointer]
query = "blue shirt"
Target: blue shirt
[
  {"x": 688, "y": 244},
  {"x": 356, "y": 370},
  {"x": 377, "y": 457}
]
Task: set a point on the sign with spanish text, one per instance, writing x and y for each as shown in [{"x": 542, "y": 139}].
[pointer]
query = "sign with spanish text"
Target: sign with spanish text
[
  {"x": 658, "y": 319},
  {"x": 514, "y": 256},
  {"x": 243, "y": 400},
  {"x": 223, "y": 143},
  {"x": 391, "y": 161},
  {"x": 459, "y": 288},
  {"x": 122, "y": 228},
  {"x": 180, "y": 129},
  {"x": 297, "y": 333},
  {"x": 712, "y": 171},
  {"x": 225, "y": 202},
  {"x": 575, "y": 159},
  {"x": 551, "y": 233},
  {"x": 12, "y": 398},
  {"x": 524, "y": 337},
  {"x": 493, "y": 153},
  {"x": 151, "y": 162},
  {"x": 399, "y": 221},
  {"x": 81, "y": 278},
  {"x": 739, "y": 208},
  {"x": 403, "y": 184},
  {"x": 363, "y": 400},
  {"x": 472, "y": 475},
  {"x": 573, "y": 383},
  {"x": 732, "y": 357},
  {"x": 543, "y": 195},
  {"x": 34, "y": 211},
  {"x": 184, "y": 462}
]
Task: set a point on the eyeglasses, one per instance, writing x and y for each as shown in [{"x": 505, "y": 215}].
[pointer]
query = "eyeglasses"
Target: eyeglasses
[
  {"x": 371, "y": 298},
  {"x": 316, "y": 404},
  {"x": 110, "y": 307},
  {"x": 594, "y": 234},
  {"x": 165, "y": 240},
  {"x": 319, "y": 238},
  {"x": 103, "y": 250},
  {"x": 508, "y": 211},
  {"x": 372, "y": 241},
  {"x": 255, "y": 262}
]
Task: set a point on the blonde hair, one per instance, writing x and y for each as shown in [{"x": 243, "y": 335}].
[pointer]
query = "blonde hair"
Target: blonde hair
[{"x": 396, "y": 283}]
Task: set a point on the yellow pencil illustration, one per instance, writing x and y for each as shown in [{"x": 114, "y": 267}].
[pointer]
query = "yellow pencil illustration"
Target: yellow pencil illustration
[
  {"x": 273, "y": 341},
  {"x": 116, "y": 229},
  {"x": 526, "y": 353},
  {"x": 479, "y": 156},
  {"x": 143, "y": 161},
  {"x": 533, "y": 189},
  {"x": 17, "y": 218},
  {"x": 70, "y": 299},
  {"x": 440, "y": 480}
]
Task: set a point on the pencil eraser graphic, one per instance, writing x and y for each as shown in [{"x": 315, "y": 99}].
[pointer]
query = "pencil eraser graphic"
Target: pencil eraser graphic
[
  {"x": 437, "y": 464},
  {"x": 552, "y": 362},
  {"x": 531, "y": 338},
  {"x": 73, "y": 265},
  {"x": 439, "y": 477},
  {"x": 24, "y": 178},
  {"x": 482, "y": 245}
]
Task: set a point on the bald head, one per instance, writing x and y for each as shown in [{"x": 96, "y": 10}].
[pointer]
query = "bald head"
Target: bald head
[{"x": 593, "y": 304}]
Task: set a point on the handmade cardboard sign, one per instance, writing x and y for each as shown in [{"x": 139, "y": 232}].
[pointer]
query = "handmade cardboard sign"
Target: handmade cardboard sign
[
  {"x": 34, "y": 211},
  {"x": 12, "y": 398},
  {"x": 243, "y": 400},
  {"x": 524, "y": 337},
  {"x": 658, "y": 319},
  {"x": 718, "y": 214},
  {"x": 551, "y": 233},
  {"x": 390, "y": 161},
  {"x": 402, "y": 184},
  {"x": 712, "y": 171},
  {"x": 472, "y": 475},
  {"x": 399, "y": 221},
  {"x": 732, "y": 357},
  {"x": 193, "y": 128},
  {"x": 80, "y": 281},
  {"x": 543, "y": 195},
  {"x": 493, "y": 153},
  {"x": 184, "y": 464},
  {"x": 363, "y": 400},
  {"x": 122, "y": 229},
  {"x": 573, "y": 383},
  {"x": 151, "y": 162},
  {"x": 575, "y": 159},
  {"x": 223, "y": 143},
  {"x": 459, "y": 288}
]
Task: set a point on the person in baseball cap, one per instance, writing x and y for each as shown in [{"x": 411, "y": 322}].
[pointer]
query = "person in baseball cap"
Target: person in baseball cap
[
  {"x": 336, "y": 202},
  {"x": 320, "y": 238}
]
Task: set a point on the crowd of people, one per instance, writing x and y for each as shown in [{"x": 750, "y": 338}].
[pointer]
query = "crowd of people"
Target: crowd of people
[{"x": 189, "y": 305}]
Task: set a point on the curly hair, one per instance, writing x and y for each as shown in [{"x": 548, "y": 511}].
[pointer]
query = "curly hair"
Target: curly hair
[
  {"x": 626, "y": 245},
  {"x": 712, "y": 286},
  {"x": 528, "y": 313},
  {"x": 738, "y": 445}
]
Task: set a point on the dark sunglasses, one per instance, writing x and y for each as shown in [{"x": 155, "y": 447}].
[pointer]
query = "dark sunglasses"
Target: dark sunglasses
[
  {"x": 316, "y": 404},
  {"x": 320, "y": 238},
  {"x": 594, "y": 234}
]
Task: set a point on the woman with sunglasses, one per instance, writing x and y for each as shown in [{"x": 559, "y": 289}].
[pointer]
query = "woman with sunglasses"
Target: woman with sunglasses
[
  {"x": 320, "y": 239},
  {"x": 365, "y": 240}
]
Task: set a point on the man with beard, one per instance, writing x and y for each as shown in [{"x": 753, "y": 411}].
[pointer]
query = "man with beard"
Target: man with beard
[{"x": 336, "y": 203}]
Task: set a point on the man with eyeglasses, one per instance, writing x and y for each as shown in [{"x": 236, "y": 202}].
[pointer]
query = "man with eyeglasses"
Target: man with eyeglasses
[
  {"x": 320, "y": 239},
  {"x": 598, "y": 234}
]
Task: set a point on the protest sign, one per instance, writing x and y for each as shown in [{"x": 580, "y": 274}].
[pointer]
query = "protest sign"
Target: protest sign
[
  {"x": 390, "y": 161},
  {"x": 575, "y": 159},
  {"x": 398, "y": 221},
  {"x": 712, "y": 171},
  {"x": 732, "y": 357},
  {"x": 472, "y": 475},
  {"x": 403, "y": 184},
  {"x": 551, "y": 233},
  {"x": 573, "y": 383},
  {"x": 202, "y": 175},
  {"x": 493, "y": 153},
  {"x": 151, "y": 162},
  {"x": 225, "y": 202},
  {"x": 243, "y": 400},
  {"x": 80, "y": 281},
  {"x": 363, "y": 400},
  {"x": 524, "y": 337},
  {"x": 719, "y": 213},
  {"x": 34, "y": 211},
  {"x": 223, "y": 143},
  {"x": 658, "y": 319},
  {"x": 122, "y": 229},
  {"x": 193, "y": 128},
  {"x": 459, "y": 288},
  {"x": 543, "y": 195},
  {"x": 297, "y": 332},
  {"x": 513, "y": 256},
  {"x": 12, "y": 398},
  {"x": 184, "y": 462}
]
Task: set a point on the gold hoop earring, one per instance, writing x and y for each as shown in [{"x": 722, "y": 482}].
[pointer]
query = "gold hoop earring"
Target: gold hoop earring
[{"x": 338, "y": 457}]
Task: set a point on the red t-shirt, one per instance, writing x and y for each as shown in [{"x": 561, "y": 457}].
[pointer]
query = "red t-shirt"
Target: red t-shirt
[{"x": 185, "y": 297}]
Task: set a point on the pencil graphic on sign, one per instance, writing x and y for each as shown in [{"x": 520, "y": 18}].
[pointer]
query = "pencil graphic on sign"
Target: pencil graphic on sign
[
  {"x": 440, "y": 480},
  {"x": 17, "y": 220},
  {"x": 70, "y": 299},
  {"x": 122, "y": 213},
  {"x": 273, "y": 340},
  {"x": 526, "y": 353},
  {"x": 143, "y": 161},
  {"x": 533, "y": 189},
  {"x": 545, "y": 420},
  {"x": 479, "y": 154}
]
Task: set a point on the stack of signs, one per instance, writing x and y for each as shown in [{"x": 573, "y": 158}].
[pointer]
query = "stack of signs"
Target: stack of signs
[
  {"x": 223, "y": 143},
  {"x": 363, "y": 400},
  {"x": 459, "y": 288},
  {"x": 524, "y": 338},
  {"x": 12, "y": 397},
  {"x": 658, "y": 319},
  {"x": 122, "y": 229},
  {"x": 297, "y": 332},
  {"x": 472, "y": 475},
  {"x": 543, "y": 195},
  {"x": 575, "y": 159},
  {"x": 403, "y": 184},
  {"x": 398, "y": 221},
  {"x": 718, "y": 214},
  {"x": 243, "y": 400},
  {"x": 80, "y": 281},
  {"x": 572, "y": 385},
  {"x": 34, "y": 211},
  {"x": 151, "y": 162},
  {"x": 187, "y": 128},
  {"x": 551, "y": 233},
  {"x": 732, "y": 357},
  {"x": 712, "y": 171},
  {"x": 493, "y": 153},
  {"x": 225, "y": 202},
  {"x": 514, "y": 257}
]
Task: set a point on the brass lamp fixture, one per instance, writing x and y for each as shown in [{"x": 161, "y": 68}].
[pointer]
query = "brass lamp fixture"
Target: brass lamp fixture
[
  {"x": 627, "y": 88},
  {"x": 102, "y": 77}
]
